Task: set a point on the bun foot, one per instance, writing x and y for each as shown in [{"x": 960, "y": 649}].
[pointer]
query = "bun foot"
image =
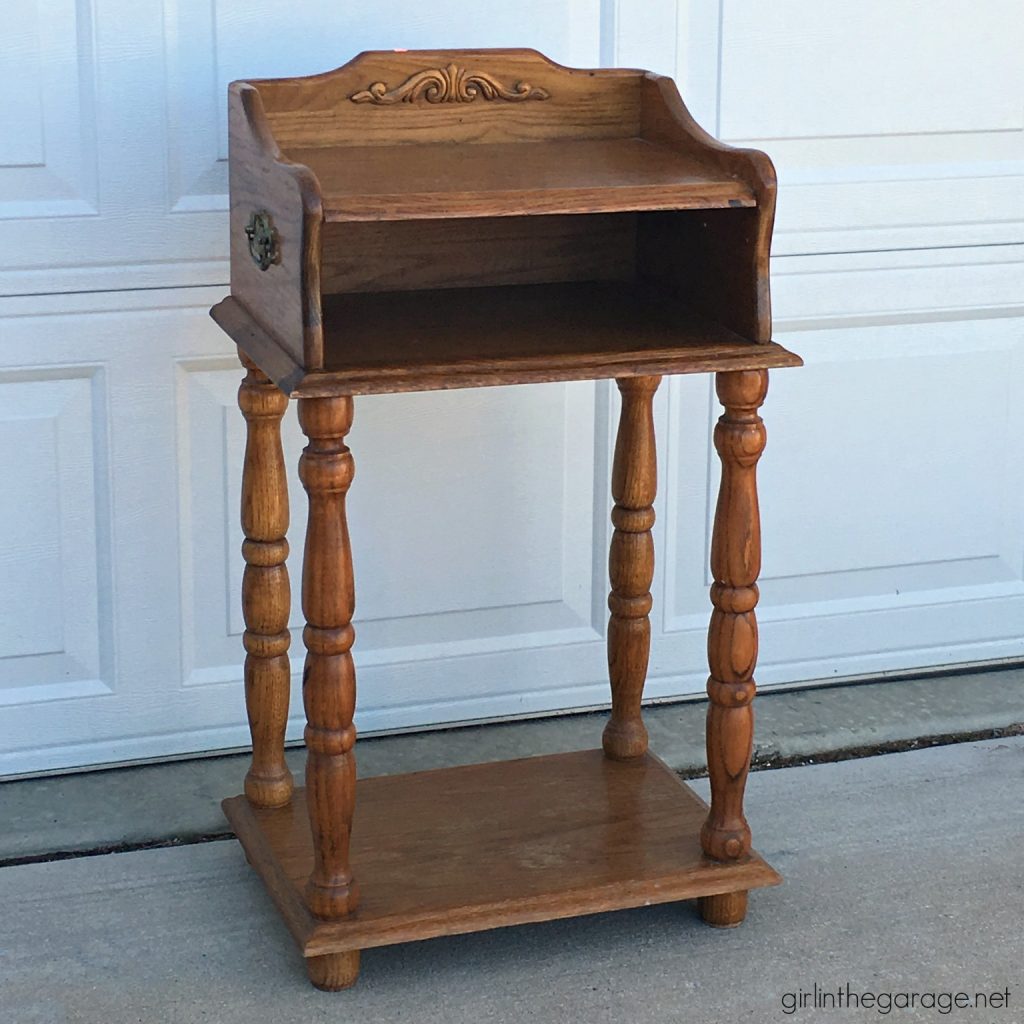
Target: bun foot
[
  {"x": 333, "y": 971},
  {"x": 723, "y": 911}
]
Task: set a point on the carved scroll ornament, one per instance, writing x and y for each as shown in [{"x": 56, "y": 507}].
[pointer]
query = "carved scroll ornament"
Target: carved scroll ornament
[{"x": 450, "y": 84}]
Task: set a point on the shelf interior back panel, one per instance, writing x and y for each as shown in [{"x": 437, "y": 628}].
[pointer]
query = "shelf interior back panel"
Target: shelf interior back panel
[{"x": 445, "y": 180}]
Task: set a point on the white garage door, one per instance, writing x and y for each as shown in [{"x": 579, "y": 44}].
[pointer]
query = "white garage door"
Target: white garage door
[{"x": 891, "y": 497}]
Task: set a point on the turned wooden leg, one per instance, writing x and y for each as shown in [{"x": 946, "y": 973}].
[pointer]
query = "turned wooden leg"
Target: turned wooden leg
[
  {"x": 266, "y": 594},
  {"x": 631, "y": 567},
  {"x": 732, "y": 638},
  {"x": 329, "y": 680}
]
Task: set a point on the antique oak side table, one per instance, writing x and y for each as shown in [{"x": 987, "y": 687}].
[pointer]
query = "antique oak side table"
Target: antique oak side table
[{"x": 423, "y": 220}]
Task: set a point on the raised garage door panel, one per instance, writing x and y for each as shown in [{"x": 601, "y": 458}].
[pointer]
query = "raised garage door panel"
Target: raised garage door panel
[
  {"x": 893, "y": 124},
  {"x": 474, "y": 526},
  {"x": 893, "y": 516},
  {"x": 893, "y": 519},
  {"x": 113, "y": 139}
]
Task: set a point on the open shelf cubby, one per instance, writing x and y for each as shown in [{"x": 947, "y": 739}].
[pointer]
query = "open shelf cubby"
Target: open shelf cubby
[{"x": 568, "y": 224}]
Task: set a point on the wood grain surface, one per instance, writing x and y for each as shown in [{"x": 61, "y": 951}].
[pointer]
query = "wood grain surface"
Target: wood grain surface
[
  {"x": 266, "y": 590},
  {"x": 470, "y": 848},
  {"x": 284, "y": 298},
  {"x": 439, "y": 180},
  {"x": 412, "y": 341},
  {"x": 431, "y": 340},
  {"x": 319, "y": 110},
  {"x": 326, "y": 469},
  {"x": 631, "y": 566},
  {"x": 478, "y": 251},
  {"x": 717, "y": 265},
  {"x": 732, "y": 635}
]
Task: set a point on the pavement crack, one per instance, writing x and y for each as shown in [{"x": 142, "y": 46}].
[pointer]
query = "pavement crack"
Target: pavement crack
[{"x": 125, "y": 847}]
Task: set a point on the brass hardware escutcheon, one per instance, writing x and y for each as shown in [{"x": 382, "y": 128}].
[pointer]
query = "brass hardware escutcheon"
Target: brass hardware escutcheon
[{"x": 262, "y": 239}]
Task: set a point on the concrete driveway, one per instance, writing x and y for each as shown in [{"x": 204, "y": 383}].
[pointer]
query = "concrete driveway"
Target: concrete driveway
[{"x": 904, "y": 874}]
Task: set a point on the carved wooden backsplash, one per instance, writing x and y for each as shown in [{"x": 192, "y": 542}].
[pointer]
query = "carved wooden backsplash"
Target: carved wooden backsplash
[{"x": 450, "y": 84}]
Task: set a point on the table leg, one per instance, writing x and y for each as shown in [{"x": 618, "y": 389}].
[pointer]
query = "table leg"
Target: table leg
[
  {"x": 266, "y": 594},
  {"x": 329, "y": 684},
  {"x": 631, "y": 567},
  {"x": 732, "y": 638}
]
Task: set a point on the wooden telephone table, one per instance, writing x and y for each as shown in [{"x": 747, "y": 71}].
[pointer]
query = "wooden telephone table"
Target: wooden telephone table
[{"x": 423, "y": 220}]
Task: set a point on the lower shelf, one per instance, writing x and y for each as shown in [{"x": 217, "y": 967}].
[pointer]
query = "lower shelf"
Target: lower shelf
[{"x": 466, "y": 849}]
